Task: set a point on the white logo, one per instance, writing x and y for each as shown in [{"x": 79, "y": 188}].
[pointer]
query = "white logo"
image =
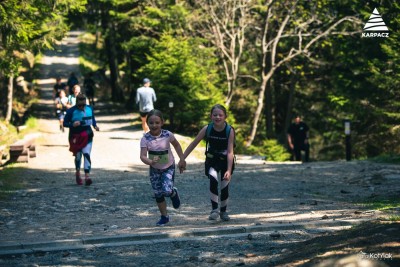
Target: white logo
[
  {"x": 376, "y": 256},
  {"x": 375, "y": 26}
]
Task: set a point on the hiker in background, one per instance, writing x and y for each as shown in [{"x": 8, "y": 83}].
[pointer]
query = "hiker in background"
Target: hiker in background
[
  {"x": 58, "y": 87},
  {"x": 89, "y": 85},
  {"x": 80, "y": 120},
  {"x": 219, "y": 159},
  {"x": 298, "y": 134},
  {"x": 61, "y": 108},
  {"x": 72, "y": 81},
  {"x": 72, "y": 98},
  {"x": 145, "y": 97},
  {"x": 155, "y": 151}
]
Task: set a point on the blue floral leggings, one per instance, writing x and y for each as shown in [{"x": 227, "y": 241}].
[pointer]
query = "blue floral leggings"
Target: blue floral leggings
[{"x": 162, "y": 181}]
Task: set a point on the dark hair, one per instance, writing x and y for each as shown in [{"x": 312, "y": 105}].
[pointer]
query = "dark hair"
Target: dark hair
[
  {"x": 80, "y": 98},
  {"x": 155, "y": 112},
  {"x": 296, "y": 116},
  {"x": 218, "y": 106}
]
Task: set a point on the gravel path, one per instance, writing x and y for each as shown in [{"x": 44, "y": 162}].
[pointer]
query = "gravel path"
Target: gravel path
[{"x": 54, "y": 222}]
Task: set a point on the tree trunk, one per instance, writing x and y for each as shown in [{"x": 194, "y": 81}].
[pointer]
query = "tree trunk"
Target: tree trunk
[
  {"x": 9, "y": 98},
  {"x": 288, "y": 119},
  {"x": 231, "y": 88},
  {"x": 116, "y": 91},
  {"x": 257, "y": 114},
  {"x": 268, "y": 109}
]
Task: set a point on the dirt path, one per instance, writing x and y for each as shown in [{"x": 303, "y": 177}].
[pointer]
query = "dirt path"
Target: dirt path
[{"x": 112, "y": 222}]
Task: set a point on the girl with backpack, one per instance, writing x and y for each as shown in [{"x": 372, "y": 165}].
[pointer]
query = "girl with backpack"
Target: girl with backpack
[{"x": 219, "y": 159}]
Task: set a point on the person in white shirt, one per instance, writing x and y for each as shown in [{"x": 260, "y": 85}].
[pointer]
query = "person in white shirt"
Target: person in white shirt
[
  {"x": 145, "y": 97},
  {"x": 61, "y": 107}
]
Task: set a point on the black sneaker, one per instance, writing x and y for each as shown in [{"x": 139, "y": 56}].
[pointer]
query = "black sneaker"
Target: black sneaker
[
  {"x": 176, "y": 201},
  {"x": 163, "y": 221},
  {"x": 88, "y": 181}
]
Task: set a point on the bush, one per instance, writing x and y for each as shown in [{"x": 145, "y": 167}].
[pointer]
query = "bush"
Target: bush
[{"x": 271, "y": 149}]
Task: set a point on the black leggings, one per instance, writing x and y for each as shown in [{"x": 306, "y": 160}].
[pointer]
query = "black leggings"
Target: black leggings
[{"x": 214, "y": 192}]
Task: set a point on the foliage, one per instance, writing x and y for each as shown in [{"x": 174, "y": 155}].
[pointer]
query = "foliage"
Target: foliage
[
  {"x": 30, "y": 25},
  {"x": 384, "y": 203},
  {"x": 386, "y": 158},
  {"x": 32, "y": 123},
  {"x": 10, "y": 181},
  {"x": 271, "y": 149},
  {"x": 8, "y": 133},
  {"x": 26, "y": 27},
  {"x": 184, "y": 74},
  {"x": 344, "y": 76}
]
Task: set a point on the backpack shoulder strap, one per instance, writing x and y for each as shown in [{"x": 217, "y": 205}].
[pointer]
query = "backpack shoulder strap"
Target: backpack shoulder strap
[
  {"x": 209, "y": 128},
  {"x": 208, "y": 131},
  {"x": 228, "y": 130}
]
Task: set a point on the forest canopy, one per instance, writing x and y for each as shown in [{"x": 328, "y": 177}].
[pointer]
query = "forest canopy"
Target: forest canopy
[{"x": 265, "y": 60}]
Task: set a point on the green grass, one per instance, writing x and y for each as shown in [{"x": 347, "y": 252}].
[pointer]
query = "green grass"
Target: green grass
[
  {"x": 8, "y": 133},
  {"x": 383, "y": 204},
  {"x": 9, "y": 181},
  {"x": 32, "y": 123},
  {"x": 394, "y": 218},
  {"x": 392, "y": 159}
]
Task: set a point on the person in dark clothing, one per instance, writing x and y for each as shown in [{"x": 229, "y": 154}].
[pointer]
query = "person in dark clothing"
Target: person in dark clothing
[
  {"x": 89, "y": 85},
  {"x": 72, "y": 81},
  {"x": 58, "y": 87},
  {"x": 298, "y": 135}
]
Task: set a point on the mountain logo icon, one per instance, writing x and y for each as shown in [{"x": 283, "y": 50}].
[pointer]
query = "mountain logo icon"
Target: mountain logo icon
[
  {"x": 375, "y": 22},
  {"x": 375, "y": 26}
]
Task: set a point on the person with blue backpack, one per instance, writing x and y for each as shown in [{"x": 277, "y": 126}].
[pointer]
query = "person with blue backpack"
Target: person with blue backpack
[{"x": 219, "y": 136}]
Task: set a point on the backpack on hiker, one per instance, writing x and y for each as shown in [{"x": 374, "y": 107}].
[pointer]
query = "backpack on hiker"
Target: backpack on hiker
[{"x": 228, "y": 129}]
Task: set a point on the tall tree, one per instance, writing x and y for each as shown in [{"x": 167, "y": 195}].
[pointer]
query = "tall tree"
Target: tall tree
[
  {"x": 291, "y": 30},
  {"x": 29, "y": 25},
  {"x": 225, "y": 24}
]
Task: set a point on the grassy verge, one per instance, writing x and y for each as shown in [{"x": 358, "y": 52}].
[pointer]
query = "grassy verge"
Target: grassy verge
[
  {"x": 9, "y": 181},
  {"x": 392, "y": 159},
  {"x": 389, "y": 205}
]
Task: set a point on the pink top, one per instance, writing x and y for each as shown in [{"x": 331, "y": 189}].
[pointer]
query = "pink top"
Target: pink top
[{"x": 159, "y": 146}]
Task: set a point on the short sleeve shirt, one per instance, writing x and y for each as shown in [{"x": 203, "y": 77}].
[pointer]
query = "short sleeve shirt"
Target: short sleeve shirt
[
  {"x": 145, "y": 96},
  {"x": 72, "y": 100},
  {"x": 159, "y": 145},
  {"x": 298, "y": 132}
]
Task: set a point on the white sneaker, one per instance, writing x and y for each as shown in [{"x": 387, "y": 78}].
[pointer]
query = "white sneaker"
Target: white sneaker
[
  {"x": 213, "y": 215},
  {"x": 224, "y": 216}
]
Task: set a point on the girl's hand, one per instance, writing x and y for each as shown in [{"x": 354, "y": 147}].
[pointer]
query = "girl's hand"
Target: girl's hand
[
  {"x": 96, "y": 128},
  {"x": 182, "y": 166},
  {"x": 227, "y": 176},
  {"x": 155, "y": 160}
]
